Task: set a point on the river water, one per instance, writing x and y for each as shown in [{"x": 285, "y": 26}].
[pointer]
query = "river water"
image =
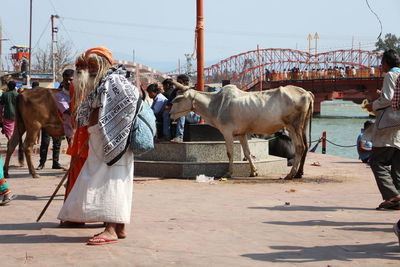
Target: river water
[{"x": 342, "y": 121}]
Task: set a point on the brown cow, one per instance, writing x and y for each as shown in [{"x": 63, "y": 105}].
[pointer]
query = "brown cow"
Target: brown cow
[{"x": 34, "y": 110}]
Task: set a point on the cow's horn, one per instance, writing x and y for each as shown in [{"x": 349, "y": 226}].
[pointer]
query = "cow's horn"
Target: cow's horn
[{"x": 180, "y": 86}]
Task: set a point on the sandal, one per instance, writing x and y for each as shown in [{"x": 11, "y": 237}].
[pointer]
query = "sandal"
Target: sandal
[
  {"x": 98, "y": 240},
  {"x": 389, "y": 205},
  {"x": 7, "y": 198}
]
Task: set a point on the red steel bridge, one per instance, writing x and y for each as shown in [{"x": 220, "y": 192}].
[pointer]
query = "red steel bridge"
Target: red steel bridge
[{"x": 348, "y": 74}]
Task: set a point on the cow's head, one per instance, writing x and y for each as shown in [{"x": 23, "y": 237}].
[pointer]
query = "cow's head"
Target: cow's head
[
  {"x": 182, "y": 88},
  {"x": 182, "y": 105}
]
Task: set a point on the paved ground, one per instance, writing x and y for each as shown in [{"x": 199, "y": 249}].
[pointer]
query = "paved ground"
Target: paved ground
[{"x": 327, "y": 219}]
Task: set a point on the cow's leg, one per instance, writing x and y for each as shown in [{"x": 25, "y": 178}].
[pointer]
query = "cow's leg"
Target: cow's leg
[
  {"x": 229, "y": 152},
  {"x": 21, "y": 153},
  {"x": 246, "y": 151},
  {"x": 299, "y": 148},
  {"x": 300, "y": 170},
  {"x": 28, "y": 145},
  {"x": 11, "y": 145}
]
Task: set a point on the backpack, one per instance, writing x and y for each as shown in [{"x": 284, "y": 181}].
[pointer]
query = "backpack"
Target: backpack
[{"x": 143, "y": 129}]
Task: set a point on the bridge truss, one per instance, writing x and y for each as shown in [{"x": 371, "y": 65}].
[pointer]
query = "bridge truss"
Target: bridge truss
[{"x": 246, "y": 68}]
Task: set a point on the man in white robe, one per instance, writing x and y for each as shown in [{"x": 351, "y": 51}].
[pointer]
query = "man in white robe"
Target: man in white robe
[{"x": 103, "y": 190}]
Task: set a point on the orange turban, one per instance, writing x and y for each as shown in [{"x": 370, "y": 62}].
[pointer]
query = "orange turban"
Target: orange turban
[{"x": 101, "y": 51}]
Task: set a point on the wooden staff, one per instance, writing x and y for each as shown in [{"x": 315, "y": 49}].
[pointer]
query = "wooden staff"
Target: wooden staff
[{"x": 73, "y": 162}]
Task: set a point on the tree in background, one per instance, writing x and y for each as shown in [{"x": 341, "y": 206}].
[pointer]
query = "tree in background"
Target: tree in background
[
  {"x": 390, "y": 42},
  {"x": 64, "y": 56}
]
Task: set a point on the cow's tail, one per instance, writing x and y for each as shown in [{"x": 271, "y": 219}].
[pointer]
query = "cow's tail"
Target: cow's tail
[
  {"x": 19, "y": 123},
  {"x": 310, "y": 115}
]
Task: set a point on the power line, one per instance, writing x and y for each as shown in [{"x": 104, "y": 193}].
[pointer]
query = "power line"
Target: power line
[
  {"x": 54, "y": 8},
  {"x": 8, "y": 35},
  {"x": 123, "y": 36},
  {"x": 209, "y": 31},
  {"x": 62, "y": 24},
  {"x": 69, "y": 36},
  {"x": 129, "y": 24},
  {"x": 41, "y": 35},
  {"x": 380, "y": 23}
]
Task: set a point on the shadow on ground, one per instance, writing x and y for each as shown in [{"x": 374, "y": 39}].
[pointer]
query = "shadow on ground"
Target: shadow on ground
[
  {"x": 352, "y": 226},
  {"x": 30, "y": 239},
  {"x": 41, "y": 225},
  {"x": 325, "y": 223},
  {"x": 28, "y": 226},
  {"x": 308, "y": 208},
  {"x": 24, "y": 173},
  {"x": 279, "y": 180},
  {"x": 30, "y": 197},
  {"x": 350, "y": 162},
  {"x": 298, "y": 254}
]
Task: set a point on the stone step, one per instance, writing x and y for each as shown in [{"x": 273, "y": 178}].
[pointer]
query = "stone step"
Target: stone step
[
  {"x": 177, "y": 169},
  {"x": 203, "y": 151},
  {"x": 202, "y": 132}
]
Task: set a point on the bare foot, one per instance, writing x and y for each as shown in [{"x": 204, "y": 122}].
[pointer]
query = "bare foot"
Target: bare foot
[
  {"x": 120, "y": 230},
  {"x": 109, "y": 233}
]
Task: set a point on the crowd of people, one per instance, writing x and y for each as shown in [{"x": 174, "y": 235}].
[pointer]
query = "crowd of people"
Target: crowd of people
[
  {"x": 90, "y": 101},
  {"x": 162, "y": 102},
  {"x": 330, "y": 72}
]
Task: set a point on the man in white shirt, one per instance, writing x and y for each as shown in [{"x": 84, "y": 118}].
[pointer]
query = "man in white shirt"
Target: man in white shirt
[{"x": 386, "y": 141}]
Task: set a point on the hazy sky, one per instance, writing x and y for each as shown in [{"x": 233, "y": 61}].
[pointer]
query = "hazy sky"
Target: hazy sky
[{"x": 162, "y": 31}]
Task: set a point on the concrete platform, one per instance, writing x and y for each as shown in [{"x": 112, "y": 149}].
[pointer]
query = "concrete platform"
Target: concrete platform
[
  {"x": 203, "y": 151},
  {"x": 177, "y": 169},
  {"x": 189, "y": 159}
]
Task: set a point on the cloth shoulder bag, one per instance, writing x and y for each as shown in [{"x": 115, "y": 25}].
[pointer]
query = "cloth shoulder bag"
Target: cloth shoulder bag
[
  {"x": 387, "y": 118},
  {"x": 143, "y": 129}
]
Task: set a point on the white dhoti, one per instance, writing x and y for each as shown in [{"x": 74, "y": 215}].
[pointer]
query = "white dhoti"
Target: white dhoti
[{"x": 101, "y": 193}]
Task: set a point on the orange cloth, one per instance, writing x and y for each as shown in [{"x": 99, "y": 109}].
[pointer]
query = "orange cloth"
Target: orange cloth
[
  {"x": 80, "y": 136},
  {"x": 102, "y": 51}
]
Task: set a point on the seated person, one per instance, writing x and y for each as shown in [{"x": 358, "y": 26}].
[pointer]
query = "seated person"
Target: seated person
[
  {"x": 170, "y": 93},
  {"x": 364, "y": 146},
  {"x": 159, "y": 100}
]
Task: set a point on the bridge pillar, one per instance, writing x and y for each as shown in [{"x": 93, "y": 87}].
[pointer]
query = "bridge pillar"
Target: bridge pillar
[{"x": 317, "y": 105}]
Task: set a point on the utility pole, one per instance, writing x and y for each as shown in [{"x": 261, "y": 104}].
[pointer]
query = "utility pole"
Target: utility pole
[
  {"x": 28, "y": 77},
  {"x": 1, "y": 41},
  {"x": 1, "y": 46},
  {"x": 200, "y": 45},
  {"x": 54, "y": 30}
]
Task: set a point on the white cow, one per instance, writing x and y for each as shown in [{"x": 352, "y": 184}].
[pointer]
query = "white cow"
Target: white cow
[{"x": 237, "y": 113}]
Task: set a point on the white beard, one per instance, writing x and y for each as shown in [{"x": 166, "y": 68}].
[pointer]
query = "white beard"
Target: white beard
[
  {"x": 83, "y": 85},
  {"x": 81, "y": 82}
]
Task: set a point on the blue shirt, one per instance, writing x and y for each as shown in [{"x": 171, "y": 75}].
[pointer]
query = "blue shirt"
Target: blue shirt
[
  {"x": 158, "y": 104},
  {"x": 368, "y": 144}
]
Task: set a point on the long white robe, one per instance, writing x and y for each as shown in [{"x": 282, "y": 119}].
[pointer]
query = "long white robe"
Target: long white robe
[{"x": 101, "y": 193}]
